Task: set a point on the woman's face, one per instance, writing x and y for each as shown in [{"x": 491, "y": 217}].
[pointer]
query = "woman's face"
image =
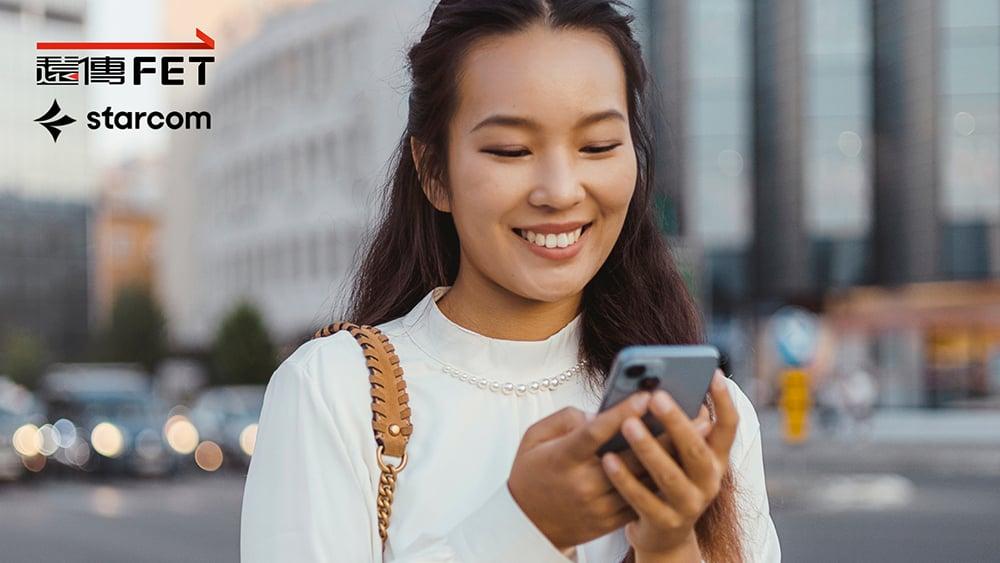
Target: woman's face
[{"x": 539, "y": 147}]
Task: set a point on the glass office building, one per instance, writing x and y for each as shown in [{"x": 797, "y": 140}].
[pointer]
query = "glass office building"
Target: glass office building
[{"x": 823, "y": 147}]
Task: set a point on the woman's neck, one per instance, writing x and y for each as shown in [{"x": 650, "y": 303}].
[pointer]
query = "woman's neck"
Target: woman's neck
[{"x": 493, "y": 311}]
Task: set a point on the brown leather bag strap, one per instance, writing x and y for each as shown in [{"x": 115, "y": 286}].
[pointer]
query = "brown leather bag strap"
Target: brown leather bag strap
[{"x": 390, "y": 409}]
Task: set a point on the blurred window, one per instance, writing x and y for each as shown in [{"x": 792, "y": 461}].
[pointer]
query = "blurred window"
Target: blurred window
[{"x": 718, "y": 129}]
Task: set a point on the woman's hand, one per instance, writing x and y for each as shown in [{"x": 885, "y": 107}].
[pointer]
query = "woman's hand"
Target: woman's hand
[
  {"x": 685, "y": 488},
  {"x": 557, "y": 478}
]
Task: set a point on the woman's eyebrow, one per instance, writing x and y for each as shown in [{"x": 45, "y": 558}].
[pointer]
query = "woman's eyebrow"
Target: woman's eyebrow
[{"x": 528, "y": 123}]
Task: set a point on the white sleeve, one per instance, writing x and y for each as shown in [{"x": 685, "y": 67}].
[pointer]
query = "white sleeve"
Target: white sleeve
[
  {"x": 759, "y": 533},
  {"x": 308, "y": 498},
  {"x": 303, "y": 500}
]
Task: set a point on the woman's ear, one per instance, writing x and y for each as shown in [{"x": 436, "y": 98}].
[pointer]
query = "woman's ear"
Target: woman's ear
[{"x": 432, "y": 190}]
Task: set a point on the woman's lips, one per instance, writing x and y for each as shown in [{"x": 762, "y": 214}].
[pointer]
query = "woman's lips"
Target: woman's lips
[{"x": 557, "y": 253}]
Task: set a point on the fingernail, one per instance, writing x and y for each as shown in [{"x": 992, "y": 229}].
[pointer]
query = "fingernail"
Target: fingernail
[
  {"x": 717, "y": 382},
  {"x": 631, "y": 428},
  {"x": 661, "y": 403},
  {"x": 640, "y": 400},
  {"x": 588, "y": 416},
  {"x": 610, "y": 462}
]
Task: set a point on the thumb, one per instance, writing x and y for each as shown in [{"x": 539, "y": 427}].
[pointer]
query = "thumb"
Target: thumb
[{"x": 558, "y": 424}]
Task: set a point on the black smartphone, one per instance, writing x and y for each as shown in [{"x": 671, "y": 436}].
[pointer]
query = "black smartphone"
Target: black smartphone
[{"x": 683, "y": 371}]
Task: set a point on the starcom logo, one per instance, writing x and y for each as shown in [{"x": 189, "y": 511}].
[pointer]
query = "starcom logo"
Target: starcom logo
[
  {"x": 76, "y": 70},
  {"x": 52, "y": 123}
]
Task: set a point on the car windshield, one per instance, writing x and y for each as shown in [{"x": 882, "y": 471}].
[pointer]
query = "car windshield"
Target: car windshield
[
  {"x": 233, "y": 402},
  {"x": 121, "y": 407},
  {"x": 118, "y": 407},
  {"x": 251, "y": 401}
]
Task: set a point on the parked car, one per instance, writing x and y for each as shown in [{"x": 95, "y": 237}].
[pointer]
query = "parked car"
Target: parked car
[
  {"x": 108, "y": 420},
  {"x": 18, "y": 409},
  {"x": 228, "y": 416}
]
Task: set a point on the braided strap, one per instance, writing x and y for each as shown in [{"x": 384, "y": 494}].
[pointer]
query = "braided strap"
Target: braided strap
[{"x": 390, "y": 409}]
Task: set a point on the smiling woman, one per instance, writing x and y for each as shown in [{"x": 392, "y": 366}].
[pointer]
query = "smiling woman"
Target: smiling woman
[
  {"x": 516, "y": 253},
  {"x": 515, "y": 159}
]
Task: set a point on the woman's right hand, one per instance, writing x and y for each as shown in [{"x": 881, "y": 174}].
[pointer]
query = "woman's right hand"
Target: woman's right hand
[{"x": 557, "y": 478}]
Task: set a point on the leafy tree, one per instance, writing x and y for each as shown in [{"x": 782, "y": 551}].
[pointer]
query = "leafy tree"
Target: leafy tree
[
  {"x": 137, "y": 328},
  {"x": 242, "y": 351},
  {"x": 23, "y": 357}
]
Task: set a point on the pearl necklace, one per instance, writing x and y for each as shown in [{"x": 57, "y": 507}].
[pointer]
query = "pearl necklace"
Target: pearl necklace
[{"x": 507, "y": 388}]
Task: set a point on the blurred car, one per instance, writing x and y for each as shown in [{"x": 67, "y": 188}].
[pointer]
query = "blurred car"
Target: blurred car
[
  {"x": 107, "y": 420},
  {"x": 228, "y": 416},
  {"x": 112, "y": 432},
  {"x": 20, "y": 415}
]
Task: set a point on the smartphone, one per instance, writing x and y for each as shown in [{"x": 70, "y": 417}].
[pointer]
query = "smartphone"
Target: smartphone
[{"x": 683, "y": 371}]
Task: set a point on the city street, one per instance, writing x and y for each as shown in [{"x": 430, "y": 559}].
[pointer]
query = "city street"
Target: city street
[
  {"x": 820, "y": 517},
  {"x": 889, "y": 517},
  {"x": 192, "y": 519}
]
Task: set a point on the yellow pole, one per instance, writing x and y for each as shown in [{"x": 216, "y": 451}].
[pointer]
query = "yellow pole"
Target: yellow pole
[{"x": 795, "y": 404}]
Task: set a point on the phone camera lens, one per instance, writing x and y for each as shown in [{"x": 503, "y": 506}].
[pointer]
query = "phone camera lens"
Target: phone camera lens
[
  {"x": 649, "y": 383},
  {"x": 635, "y": 371}
]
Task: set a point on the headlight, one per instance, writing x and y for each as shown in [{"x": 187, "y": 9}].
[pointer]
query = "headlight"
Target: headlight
[
  {"x": 107, "y": 439},
  {"x": 67, "y": 432},
  {"x": 181, "y": 434},
  {"x": 27, "y": 440},
  {"x": 248, "y": 438},
  {"x": 50, "y": 439}
]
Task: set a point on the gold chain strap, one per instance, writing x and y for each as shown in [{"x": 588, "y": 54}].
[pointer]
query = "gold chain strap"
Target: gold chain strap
[{"x": 386, "y": 487}]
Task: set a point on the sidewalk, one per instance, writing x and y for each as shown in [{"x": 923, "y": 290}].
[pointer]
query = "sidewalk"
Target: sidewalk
[{"x": 958, "y": 442}]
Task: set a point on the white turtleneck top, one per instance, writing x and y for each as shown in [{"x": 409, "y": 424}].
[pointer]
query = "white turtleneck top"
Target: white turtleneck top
[{"x": 311, "y": 488}]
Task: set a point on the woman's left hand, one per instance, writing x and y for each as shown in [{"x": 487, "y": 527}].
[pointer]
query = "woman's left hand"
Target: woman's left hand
[{"x": 667, "y": 516}]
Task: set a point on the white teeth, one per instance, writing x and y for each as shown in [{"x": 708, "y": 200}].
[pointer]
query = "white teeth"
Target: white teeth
[{"x": 561, "y": 240}]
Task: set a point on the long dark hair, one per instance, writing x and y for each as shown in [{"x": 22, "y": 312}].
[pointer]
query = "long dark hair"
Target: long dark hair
[{"x": 637, "y": 296}]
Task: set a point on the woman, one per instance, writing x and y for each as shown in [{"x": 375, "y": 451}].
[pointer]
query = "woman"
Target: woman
[{"x": 518, "y": 242}]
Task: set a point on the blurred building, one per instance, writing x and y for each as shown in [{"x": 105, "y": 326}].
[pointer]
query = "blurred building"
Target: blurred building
[
  {"x": 125, "y": 231},
  {"x": 30, "y": 163},
  {"x": 231, "y": 23},
  {"x": 306, "y": 114},
  {"x": 939, "y": 342},
  {"x": 824, "y": 146},
  {"x": 44, "y": 277}
]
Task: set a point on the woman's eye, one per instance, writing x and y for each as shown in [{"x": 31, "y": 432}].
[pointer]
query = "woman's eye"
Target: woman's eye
[
  {"x": 597, "y": 149},
  {"x": 510, "y": 153},
  {"x": 593, "y": 149}
]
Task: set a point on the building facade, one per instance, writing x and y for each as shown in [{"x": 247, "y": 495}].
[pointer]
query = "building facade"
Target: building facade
[
  {"x": 831, "y": 145},
  {"x": 44, "y": 273},
  {"x": 307, "y": 113},
  {"x": 31, "y": 164},
  {"x": 125, "y": 232}
]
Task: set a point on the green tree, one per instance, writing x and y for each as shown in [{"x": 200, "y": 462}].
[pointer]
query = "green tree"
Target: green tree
[
  {"x": 24, "y": 357},
  {"x": 242, "y": 351},
  {"x": 137, "y": 329}
]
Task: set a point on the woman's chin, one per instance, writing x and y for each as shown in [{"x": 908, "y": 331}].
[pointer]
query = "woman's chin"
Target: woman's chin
[{"x": 550, "y": 291}]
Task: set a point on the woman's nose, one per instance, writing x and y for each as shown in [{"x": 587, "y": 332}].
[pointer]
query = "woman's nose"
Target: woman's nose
[{"x": 558, "y": 185}]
